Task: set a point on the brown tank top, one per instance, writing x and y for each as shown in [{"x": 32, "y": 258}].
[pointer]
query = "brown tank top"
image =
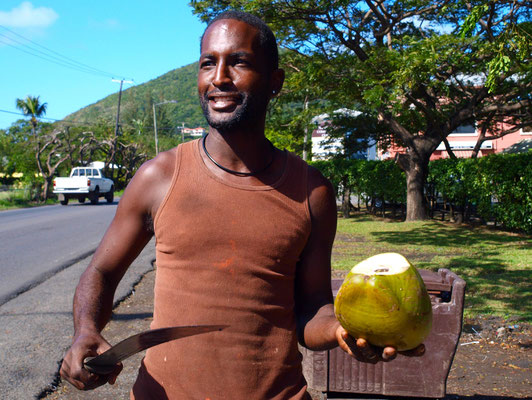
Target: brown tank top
[{"x": 227, "y": 254}]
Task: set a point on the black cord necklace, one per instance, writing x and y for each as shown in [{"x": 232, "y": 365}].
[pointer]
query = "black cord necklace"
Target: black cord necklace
[{"x": 238, "y": 173}]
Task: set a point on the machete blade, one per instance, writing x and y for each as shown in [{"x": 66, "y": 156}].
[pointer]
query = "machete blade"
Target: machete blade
[{"x": 105, "y": 363}]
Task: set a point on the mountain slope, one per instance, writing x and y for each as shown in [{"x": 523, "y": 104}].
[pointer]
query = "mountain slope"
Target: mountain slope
[{"x": 137, "y": 102}]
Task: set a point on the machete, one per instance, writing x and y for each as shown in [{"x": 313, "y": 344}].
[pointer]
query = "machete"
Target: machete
[{"x": 105, "y": 363}]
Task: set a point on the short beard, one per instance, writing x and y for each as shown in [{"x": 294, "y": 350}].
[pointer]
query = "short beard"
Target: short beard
[{"x": 244, "y": 116}]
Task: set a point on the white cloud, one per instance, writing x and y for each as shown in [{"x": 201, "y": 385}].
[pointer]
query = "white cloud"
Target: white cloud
[{"x": 27, "y": 16}]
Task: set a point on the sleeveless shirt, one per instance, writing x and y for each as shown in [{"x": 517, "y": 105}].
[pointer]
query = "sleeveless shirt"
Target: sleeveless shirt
[{"x": 227, "y": 254}]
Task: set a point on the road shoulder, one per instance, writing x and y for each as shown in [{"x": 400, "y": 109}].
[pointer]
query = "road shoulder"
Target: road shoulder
[{"x": 36, "y": 328}]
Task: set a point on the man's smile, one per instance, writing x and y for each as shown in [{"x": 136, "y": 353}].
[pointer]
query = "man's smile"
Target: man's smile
[{"x": 224, "y": 101}]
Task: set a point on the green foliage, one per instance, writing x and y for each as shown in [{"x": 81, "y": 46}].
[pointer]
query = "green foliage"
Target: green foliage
[
  {"x": 290, "y": 115},
  {"x": 32, "y": 107},
  {"x": 57, "y": 148},
  {"x": 498, "y": 187},
  {"x": 513, "y": 41},
  {"x": 376, "y": 180}
]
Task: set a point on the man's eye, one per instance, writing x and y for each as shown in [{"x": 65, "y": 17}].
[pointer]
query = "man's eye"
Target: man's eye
[{"x": 205, "y": 64}]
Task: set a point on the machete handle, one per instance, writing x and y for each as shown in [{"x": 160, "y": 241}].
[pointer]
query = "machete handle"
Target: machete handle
[{"x": 97, "y": 369}]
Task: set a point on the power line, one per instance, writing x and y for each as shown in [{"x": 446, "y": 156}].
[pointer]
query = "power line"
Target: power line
[
  {"x": 49, "y": 119},
  {"x": 58, "y": 54},
  {"x": 43, "y": 55},
  {"x": 48, "y": 59},
  {"x": 51, "y": 55}
]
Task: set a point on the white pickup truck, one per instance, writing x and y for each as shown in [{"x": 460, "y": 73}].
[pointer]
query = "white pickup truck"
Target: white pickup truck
[{"x": 82, "y": 184}]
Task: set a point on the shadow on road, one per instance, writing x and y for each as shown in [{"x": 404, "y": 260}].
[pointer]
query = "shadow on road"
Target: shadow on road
[
  {"x": 128, "y": 317},
  {"x": 88, "y": 204}
]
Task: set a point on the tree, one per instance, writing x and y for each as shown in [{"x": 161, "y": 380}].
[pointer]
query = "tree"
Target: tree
[
  {"x": 290, "y": 118},
  {"x": 51, "y": 152},
  {"x": 123, "y": 156},
  {"x": 17, "y": 152},
  {"x": 411, "y": 64},
  {"x": 33, "y": 108}
]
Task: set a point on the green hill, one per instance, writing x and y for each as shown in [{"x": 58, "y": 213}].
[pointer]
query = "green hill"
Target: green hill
[{"x": 137, "y": 102}]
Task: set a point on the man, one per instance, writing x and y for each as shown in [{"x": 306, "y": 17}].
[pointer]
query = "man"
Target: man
[{"x": 244, "y": 234}]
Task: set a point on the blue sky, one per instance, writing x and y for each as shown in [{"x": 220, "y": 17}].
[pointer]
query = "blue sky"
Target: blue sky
[{"x": 134, "y": 40}]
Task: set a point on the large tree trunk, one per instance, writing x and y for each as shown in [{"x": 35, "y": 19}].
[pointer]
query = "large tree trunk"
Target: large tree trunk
[
  {"x": 416, "y": 170},
  {"x": 346, "y": 202}
]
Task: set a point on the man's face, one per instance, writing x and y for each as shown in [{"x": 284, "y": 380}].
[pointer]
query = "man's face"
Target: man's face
[{"x": 233, "y": 80}]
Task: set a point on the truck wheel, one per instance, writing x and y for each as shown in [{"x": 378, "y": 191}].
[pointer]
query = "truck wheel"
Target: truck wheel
[
  {"x": 95, "y": 197},
  {"x": 110, "y": 195},
  {"x": 64, "y": 201},
  {"x": 81, "y": 199}
]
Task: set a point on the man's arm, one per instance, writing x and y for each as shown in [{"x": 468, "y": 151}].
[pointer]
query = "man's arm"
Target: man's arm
[
  {"x": 317, "y": 324},
  {"x": 318, "y": 327},
  {"x": 129, "y": 232}
]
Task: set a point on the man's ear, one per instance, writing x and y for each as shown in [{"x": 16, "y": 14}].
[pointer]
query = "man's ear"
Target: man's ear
[{"x": 277, "y": 80}]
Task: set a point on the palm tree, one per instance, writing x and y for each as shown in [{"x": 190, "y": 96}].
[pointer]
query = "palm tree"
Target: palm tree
[{"x": 31, "y": 106}]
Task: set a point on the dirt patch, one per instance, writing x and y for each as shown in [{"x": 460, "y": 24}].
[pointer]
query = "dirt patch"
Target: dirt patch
[
  {"x": 493, "y": 360},
  {"x": 344, "y": 237},
  {"x": 338, "y": 274}
]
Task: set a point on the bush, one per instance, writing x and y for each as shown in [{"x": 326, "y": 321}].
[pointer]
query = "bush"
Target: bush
[
  {"x": 495, "y": 188},
  {"x": 498, "y": 187}
]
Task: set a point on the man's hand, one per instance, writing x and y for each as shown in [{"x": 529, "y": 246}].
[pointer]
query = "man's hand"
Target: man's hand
[
  {"x": 365, "y": 352},
  {"x": 86, "y": 345}
]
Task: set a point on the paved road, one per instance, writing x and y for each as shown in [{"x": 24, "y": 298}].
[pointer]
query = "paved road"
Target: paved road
[
  {"x": 43, "y": 252},
  {"x": 35, "y": 243}
]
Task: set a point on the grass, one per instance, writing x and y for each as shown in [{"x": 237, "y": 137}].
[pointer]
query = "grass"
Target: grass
[
  {"x": 495, "y": 265},
  {"x": 20, "y": 198},
  {"x": 14, "y": 199}
]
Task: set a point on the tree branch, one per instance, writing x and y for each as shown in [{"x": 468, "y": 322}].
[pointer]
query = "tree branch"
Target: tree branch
[{"x": 448, "y": 148}]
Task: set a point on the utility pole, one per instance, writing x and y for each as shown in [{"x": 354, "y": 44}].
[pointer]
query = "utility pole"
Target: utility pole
[
  {"x": 122, "y": 81},
  {"x": 305, "y": 132},
  {"x": 117, "y": 125}
]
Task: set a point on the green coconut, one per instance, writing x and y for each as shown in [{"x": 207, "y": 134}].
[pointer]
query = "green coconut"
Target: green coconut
[{"x": 383, "y": 299}]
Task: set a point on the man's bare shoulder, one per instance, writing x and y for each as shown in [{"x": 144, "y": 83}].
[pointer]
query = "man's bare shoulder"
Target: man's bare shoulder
[
  {"x": 319, "y": 184},
  {"x": 322, "y": 200},
  {"x": 160, "y": 168},
  {"x": 148, "y": 187}
]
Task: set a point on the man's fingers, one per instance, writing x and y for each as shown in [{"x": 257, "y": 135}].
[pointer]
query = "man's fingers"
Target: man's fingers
[
  {"x": 344, "y": 341},
  {"x": 72, "y": 369},
  {"x": 389, "y": 353},
  {"x": 366, "y": 350},
  {"x": 363, "y": 351},
  {"x": 111, "y": 378},
  {"x": 81, "y": 379}
]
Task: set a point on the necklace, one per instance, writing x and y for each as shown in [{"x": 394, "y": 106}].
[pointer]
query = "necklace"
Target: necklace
[{"x": 233, "y": 171}]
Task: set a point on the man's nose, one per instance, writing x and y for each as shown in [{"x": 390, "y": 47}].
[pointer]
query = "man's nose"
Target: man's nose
[{"x": 222, "y": 76}]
